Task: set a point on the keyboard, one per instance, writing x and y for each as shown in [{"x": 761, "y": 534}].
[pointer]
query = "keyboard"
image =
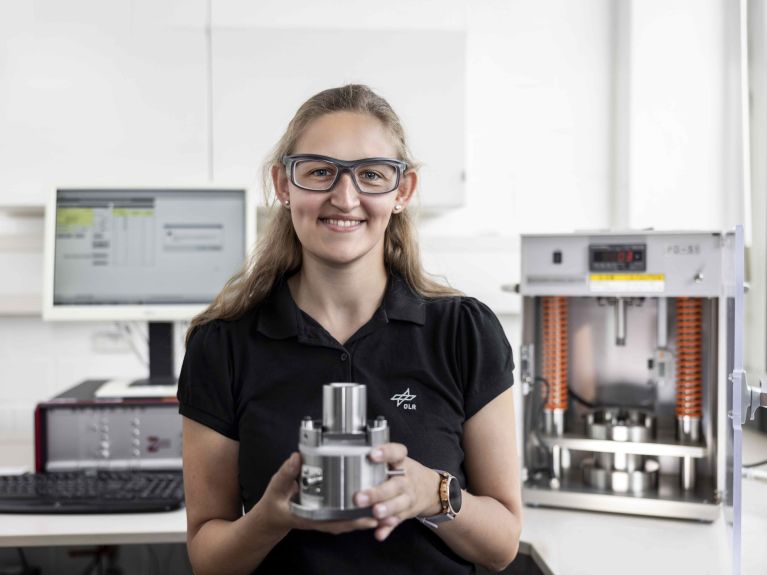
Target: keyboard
[{"x": 91, "y": 491}]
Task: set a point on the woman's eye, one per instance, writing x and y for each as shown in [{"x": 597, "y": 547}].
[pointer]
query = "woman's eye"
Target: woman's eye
[
  {"x": 370, "y": 175},
  {"x": 320, "y": 172}
]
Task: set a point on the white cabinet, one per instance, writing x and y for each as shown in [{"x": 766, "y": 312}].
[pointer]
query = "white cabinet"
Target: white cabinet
[
  {"x": 120, "y": 94},
  {"x": 261, "y": 76},
  {"x": 89, "y": 97}
]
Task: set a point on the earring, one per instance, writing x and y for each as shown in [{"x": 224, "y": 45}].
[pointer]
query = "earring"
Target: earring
[
  {"x": 397, "y": 207},
  {"x": 287, "y": 204}
]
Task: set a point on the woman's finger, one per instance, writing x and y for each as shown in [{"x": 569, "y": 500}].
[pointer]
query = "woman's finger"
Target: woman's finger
[
  {"x": 385, "y": 528},
  {"x": 391, "y": 453},
  {"x": 382, "y": 492},
  {"x": 395, "y": 507}
]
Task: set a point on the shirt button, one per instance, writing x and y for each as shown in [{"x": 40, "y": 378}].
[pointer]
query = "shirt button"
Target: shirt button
[{"x": 344, "y": 356}]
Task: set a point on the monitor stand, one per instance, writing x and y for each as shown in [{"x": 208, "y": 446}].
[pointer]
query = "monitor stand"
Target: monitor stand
[{"x": 161, "y": 381}]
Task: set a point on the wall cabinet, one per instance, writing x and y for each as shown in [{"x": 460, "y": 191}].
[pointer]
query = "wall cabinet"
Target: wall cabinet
[
  {"x": 87, "y": 97},
  {"x": 261, "y": 77}
]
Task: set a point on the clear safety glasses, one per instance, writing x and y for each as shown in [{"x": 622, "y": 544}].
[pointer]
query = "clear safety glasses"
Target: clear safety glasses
[{"x": 320, "y": 173}]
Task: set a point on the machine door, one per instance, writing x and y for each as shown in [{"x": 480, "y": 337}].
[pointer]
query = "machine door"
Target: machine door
[{"x": 736, "y": 384}]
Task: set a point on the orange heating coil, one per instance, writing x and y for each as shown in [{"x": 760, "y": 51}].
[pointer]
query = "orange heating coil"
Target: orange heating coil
[
  {"x": 689, "y": 362},
  {"x": 554, "y": 358}
]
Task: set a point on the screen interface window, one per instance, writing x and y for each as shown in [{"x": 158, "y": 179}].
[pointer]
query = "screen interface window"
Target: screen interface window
[{"x": 137, "y": 247}]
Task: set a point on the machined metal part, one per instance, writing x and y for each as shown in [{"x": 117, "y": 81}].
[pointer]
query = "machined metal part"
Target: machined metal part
[
  {"x": 620, "y": 322},
  {"x": 636, "y": 480},
  {"x": 662, "y": 322},
  {"x": 335, "y": 453},
  {"x": 751, "y": 397},
  {"x": 620, "y": 424},
  {"x": 621, "y": 472},
  {"x": 554, "y": 421},
  {"x": 688, "y": 431}
]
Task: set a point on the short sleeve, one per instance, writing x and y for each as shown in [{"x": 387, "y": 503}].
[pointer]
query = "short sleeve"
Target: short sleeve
[
  {"x": 484, "y": 354},
  {"x": 205, "y": 383}
]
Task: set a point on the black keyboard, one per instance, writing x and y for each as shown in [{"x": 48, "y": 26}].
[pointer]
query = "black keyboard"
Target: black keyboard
[{"x": 91, "y": 492}]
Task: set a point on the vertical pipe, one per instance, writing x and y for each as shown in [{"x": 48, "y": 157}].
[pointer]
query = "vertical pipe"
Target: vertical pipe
[
  {"x": 662, "y": 322},
  {"x": 620, "y": 322}
]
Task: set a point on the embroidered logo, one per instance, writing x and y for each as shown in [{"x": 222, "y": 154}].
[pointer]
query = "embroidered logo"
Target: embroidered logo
[{"x": 404, "y": 398}]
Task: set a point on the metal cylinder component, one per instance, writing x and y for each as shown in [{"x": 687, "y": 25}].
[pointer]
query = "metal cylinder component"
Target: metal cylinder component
[
  {"x": 335, "y": 453},
  {"x": 554, "y": 422},
  {"x": 637, "y": 481},
  {"x": 621, "y": 472},
  {"x": 556, "y": 464},
  {"x": 619, "y": 424},
  {"x": 344, "y": 407},
  {"x": 688, "y": 431},
  {"x": 620, "y": 321},
  {"x": 662, "y": 322}
]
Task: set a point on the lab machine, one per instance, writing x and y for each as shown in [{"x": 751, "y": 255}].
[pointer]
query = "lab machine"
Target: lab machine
[{"x": 630, "y": 342}]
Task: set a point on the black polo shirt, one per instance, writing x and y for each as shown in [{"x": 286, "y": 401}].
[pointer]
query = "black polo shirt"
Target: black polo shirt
[{"x": 428, "y": 365}]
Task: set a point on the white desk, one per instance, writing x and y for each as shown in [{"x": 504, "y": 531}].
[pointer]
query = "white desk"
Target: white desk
[
  {"x": 570, "y": 542},
  {"x": 118, "y": 529},
  {"x": 112, "y": 529}
]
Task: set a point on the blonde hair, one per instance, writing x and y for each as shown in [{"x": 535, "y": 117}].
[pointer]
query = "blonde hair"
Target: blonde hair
[{"x": 278, "y": 252}]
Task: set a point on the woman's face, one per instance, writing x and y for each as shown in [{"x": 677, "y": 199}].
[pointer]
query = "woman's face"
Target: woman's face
[{"x": 343, "y": 226}]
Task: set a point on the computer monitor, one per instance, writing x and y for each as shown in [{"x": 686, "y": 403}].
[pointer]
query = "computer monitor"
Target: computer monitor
[{"x": 159, "y": 254}]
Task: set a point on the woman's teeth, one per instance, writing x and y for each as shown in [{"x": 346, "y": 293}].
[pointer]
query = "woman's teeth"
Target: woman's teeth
[{"x": 342, "y": 223}]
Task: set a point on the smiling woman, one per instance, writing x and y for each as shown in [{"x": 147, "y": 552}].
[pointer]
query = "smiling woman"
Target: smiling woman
[{"x": 335, "y": 292}]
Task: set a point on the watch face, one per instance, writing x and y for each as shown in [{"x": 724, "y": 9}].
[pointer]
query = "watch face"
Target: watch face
[{"x": 455, "y": 495}]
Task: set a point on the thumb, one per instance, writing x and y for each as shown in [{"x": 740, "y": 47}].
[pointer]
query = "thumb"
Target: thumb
[{"x": 284, "y": 479}]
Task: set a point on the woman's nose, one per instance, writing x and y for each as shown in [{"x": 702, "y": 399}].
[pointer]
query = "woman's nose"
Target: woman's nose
[{"x": 344, "y": 195}]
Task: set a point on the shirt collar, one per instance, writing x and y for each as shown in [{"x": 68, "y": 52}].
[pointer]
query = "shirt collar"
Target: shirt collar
[
  {"x": 402, "y": 303},
  {"x": 279, "y": 316}
]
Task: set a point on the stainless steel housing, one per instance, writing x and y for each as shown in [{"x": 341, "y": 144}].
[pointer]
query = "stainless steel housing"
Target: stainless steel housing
[{"x": 633, "y": 454}]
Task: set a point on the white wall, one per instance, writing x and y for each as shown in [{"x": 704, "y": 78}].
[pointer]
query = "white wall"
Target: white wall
[
  {"x": 756, "y": 318},
  {"x": 538, "y": 128},
  {"x": 677, "y": 114},
  {"x": 541, "y": 128}
]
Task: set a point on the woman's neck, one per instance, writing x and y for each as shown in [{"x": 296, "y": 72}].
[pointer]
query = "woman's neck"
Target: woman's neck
[{"x": 341, "y": 299}]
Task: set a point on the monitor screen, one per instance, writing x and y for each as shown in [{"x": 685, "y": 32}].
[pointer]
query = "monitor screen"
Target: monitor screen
[{"x": 143, "y": 253}]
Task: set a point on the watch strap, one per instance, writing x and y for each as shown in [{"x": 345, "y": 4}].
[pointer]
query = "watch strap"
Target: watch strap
[{"x": 447, "y": 513}]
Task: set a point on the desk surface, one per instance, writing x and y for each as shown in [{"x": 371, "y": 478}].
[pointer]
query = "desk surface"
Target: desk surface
[{"x": 570, "y": 542}]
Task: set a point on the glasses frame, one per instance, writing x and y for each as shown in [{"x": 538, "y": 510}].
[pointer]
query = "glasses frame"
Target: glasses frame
[{"x": 343, "y": 166}]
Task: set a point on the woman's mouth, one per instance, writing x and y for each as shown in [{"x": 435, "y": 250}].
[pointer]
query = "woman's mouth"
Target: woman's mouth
[{"x": 342, "y": 225}]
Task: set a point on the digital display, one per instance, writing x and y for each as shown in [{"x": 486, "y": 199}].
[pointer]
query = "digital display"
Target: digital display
[{"x": 628, "y": 257}]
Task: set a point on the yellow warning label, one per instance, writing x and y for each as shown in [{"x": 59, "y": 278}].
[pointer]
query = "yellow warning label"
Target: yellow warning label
[
  {"x": 627, "y": 283},
  {"x": 74, "y": 217},
  {"x": 627, "y": 277}
]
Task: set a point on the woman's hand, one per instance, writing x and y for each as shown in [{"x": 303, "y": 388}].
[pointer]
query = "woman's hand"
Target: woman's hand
[
  {"x": 402, "y": 496},
  {"x": 283, "y": 487},
  {"x": 399, "y": 498}
]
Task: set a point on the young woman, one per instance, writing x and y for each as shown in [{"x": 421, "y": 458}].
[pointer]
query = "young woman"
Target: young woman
[{"x": 335, "y": 292}]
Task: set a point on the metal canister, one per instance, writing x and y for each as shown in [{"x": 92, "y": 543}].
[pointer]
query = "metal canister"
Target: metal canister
[{"x": 335, "y": 450}]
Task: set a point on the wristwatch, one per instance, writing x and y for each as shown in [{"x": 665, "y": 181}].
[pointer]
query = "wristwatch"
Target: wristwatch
[{"x": 449, "y": 497}]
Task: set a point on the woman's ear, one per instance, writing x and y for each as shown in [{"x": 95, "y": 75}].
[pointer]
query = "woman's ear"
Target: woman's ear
[
  {"x": 280, "y": 183},
  {"x": 407, "y": 186}
]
